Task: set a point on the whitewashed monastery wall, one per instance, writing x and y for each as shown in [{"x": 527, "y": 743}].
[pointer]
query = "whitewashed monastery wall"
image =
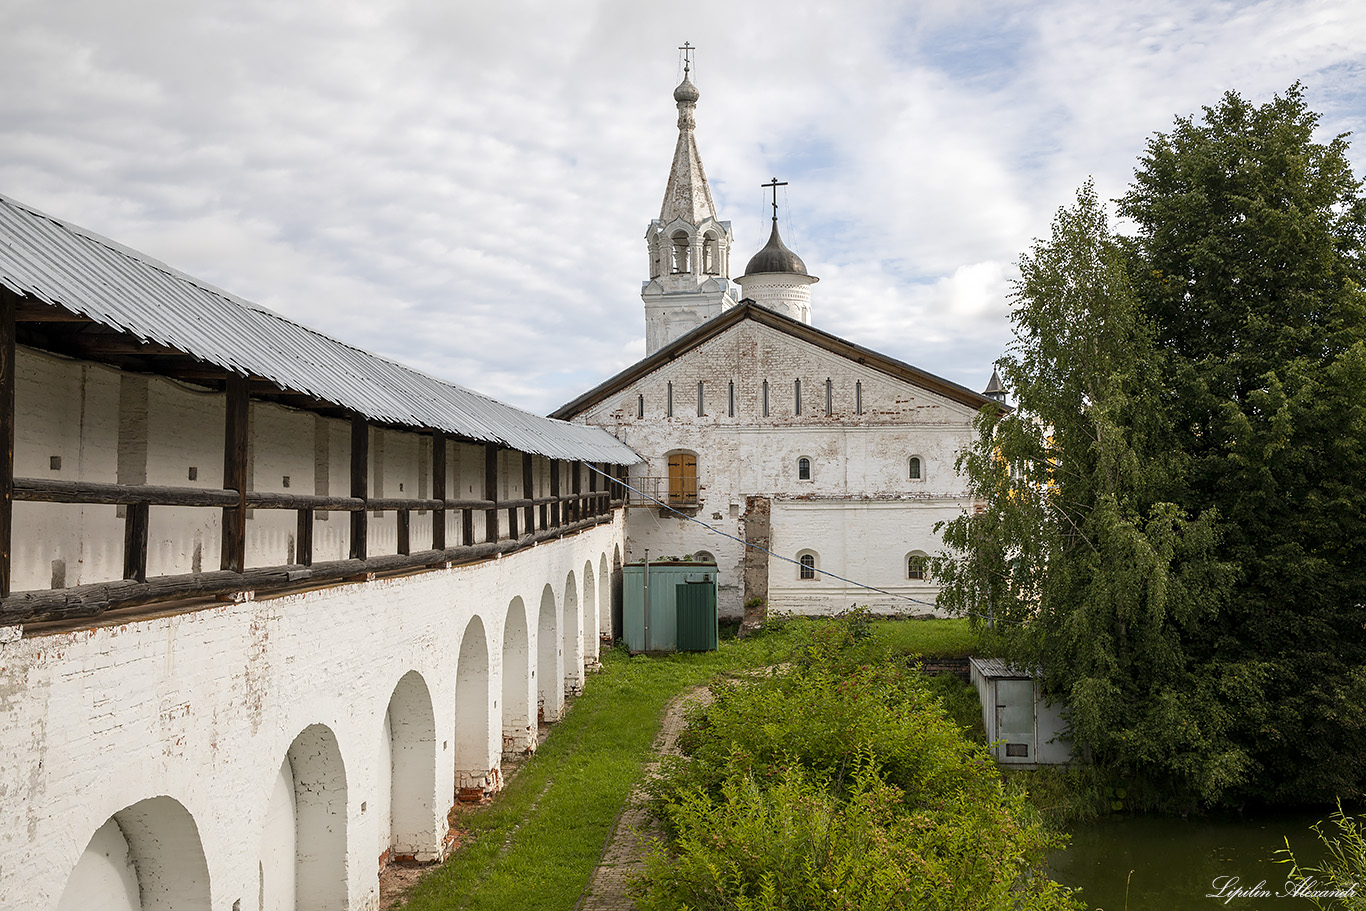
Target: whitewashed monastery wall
[
  {"x": 216, "y": 740},
  {"x": 267, "y": 754}
]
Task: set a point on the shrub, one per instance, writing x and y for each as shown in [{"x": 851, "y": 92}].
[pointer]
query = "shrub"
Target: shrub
[
  {"x": 1343, "y": 870},
  {"x": 830, "y": 783}
]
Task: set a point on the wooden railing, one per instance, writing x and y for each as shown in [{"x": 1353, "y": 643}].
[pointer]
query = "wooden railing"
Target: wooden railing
[{"x": 508, "y": 524}]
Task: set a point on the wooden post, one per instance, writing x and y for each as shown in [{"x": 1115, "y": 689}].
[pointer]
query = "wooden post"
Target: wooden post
[
  {"x": 404, "y": 543},
  {"x": 360, "y": 485},
  {"x": 303, "y": 538},
  {"x": 135, "y": 520},
  {"x": 491, "y": 491},
  {"x": 439, "y": 490},
  {"x": 235, "y": 425},
  {"x": 594, "y": 507},
  {"x": 529, "y": 491},
  {"x": 555, "y": 492},
  {"x": 575, "y": 485},
  {"x": 7, "y": 444}
]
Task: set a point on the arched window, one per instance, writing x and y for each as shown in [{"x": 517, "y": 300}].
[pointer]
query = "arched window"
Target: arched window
[
  {"x": 917, "y": 473},
  {"x": 703, "y": 556},
  {"x": 917, "y": 566},
  {"x": 682, "y": 479},
  {"x": 680, "y": 244},
  {"x": 803, "y": 469},
  {"x": 711, "y": 255},
  {"x": 808, "y": 566}
]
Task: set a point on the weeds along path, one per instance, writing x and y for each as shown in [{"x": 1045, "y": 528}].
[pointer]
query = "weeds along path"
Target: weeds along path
[
  {"x": 537, "y": 845},
  {"x": 624, "y": 855}
]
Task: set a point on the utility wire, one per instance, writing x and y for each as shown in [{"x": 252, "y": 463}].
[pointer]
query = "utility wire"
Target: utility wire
[{"x": 760, "y": 547}]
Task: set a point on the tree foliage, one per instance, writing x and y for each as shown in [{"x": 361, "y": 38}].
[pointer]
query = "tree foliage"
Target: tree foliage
[{"x": 1174, "y": 512}]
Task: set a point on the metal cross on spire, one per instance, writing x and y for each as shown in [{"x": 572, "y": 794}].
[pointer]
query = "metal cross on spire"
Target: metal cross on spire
[
  {"x": 774, "y": 184},
  {"x": 687, "y": 50}
]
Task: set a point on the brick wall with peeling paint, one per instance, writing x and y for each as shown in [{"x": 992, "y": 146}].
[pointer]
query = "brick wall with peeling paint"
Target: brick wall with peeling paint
[{"x": 860, "y": 510}]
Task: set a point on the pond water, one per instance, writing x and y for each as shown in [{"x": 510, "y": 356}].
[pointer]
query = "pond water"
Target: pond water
[{"x": 1176, "y": 863}]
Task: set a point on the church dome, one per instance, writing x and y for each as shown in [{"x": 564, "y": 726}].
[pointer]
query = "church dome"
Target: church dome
[
  {"x": 775, "y": 257},
  {"x": 686, "y": 91}
]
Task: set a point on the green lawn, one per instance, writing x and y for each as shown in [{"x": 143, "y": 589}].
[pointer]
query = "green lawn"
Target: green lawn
[
  {"x": 537, "y": 844},
  {"x": 930, "y": 638}
]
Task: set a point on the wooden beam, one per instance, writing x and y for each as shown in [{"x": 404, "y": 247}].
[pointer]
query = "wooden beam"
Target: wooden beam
[
  {"x": 360, "y": 485},
  {"x": 575, "y": 480},
  {"x": 404, "y": 528},
  {"x": 554, "y": 492},
  {"x": 84, "y": 601},
  {"x": 6, "y": 440},
  {"x": 34, "y": 312},
  {"x": 46, "y": 490},
  {"x": 491, "y": 490},
  {"x": 234, "y": 557},
  {"x": 529, "y": 490},
  {"x": 135, "y": 522},
  {"x": 439, "y": 490},
  {"x": 303, "y": 538},
  {"x": 117, "y": 343}
]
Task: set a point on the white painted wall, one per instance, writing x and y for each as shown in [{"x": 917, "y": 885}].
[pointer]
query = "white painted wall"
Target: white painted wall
[
  {"x": 206, "y": 708},
  {"x": 860, "y": 510}
]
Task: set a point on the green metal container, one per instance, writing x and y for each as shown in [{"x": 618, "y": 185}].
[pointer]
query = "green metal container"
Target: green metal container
[{"x": 663, "y": 630}]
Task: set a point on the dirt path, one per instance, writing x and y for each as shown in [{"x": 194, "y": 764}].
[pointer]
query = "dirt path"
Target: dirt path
[{"x": 624, "y": 855}]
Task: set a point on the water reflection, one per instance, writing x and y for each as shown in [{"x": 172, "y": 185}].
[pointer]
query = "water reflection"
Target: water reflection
[{"x": 1176, "y": 861}]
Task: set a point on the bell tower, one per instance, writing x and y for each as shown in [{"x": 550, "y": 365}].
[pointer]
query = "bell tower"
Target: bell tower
[{"x": 689, "y": 249}]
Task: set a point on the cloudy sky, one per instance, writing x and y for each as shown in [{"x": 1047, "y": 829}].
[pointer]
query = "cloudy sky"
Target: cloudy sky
[{"x": 464, "y": 186}]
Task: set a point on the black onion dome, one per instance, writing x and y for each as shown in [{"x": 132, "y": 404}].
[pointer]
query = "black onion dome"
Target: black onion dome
[
  {"x": 686, "y": 91},
  {"x": 775, "y": 257}
]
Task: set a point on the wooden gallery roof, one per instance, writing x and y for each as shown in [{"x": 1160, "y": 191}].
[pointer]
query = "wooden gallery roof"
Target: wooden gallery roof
[{"x": 88, "y": 297}]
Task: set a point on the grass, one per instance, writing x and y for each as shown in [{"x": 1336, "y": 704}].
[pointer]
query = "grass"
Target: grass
[
  {"x": 929, "y": 638},
  {"x": 538, "y": 843}
]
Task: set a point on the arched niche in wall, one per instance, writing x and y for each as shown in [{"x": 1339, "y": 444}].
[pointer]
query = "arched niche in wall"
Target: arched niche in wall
[{"x": 146, "y": 857}]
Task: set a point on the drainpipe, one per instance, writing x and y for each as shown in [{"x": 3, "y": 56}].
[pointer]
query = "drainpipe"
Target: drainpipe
[{"x": 647, "y": 599}]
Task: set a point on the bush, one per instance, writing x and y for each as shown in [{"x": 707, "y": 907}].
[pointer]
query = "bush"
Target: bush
[
  {"x": 828, "y": 783},
  {"x": 1344, "y": 869}
]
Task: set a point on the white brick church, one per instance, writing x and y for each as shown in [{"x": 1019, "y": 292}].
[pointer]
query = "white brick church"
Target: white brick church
[{"x": 836, "y": 459}]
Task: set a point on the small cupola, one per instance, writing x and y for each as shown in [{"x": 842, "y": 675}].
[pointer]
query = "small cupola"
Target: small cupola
[
  {"x": 775, "y": 277},
  {"x": 995, "y": 391},
  {"x": 775, "y": 257}
]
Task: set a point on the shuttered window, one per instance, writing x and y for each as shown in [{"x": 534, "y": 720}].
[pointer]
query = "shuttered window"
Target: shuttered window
[{"x": 682, "y": 479}]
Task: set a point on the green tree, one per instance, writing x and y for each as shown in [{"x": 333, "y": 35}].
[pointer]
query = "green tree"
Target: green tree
[
  {"x": 1098, "y": 579},
  {"x": 1175, "y": 513},
  {"x": 1249, "y": 257}
]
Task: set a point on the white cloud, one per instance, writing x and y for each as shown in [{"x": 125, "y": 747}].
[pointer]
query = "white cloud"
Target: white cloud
[{"x": 464, "y": 186}]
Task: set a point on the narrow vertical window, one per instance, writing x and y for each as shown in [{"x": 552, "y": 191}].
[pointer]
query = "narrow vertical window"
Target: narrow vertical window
[
  {"x": 858, "y": 397},
  {"x": 808, "y": 570},
  {"x": 765, "y": 398},
  {"x": 803, "y": 469},
  {"x": 669, "y": 401},
  {"x": 829, "y": 396},
  {"x": 701, "y": 400},
  {"x": 797, "y": 396},
  {"x": 915, "y": 468},
  {"x": 640, "y": 405},
  {"x": 730, "y": 400}
]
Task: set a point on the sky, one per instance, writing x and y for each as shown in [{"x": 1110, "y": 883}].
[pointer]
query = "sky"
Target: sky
[{"x": 465, "y": 186}]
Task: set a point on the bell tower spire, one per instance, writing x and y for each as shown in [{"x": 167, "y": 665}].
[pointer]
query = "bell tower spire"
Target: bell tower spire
[{"x": 689, "y": 248}]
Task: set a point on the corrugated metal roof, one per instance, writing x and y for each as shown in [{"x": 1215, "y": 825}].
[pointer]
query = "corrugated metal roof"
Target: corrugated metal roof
[
  {"x": 67, "y": 266},
  {"x": 997, "y": 667}
]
